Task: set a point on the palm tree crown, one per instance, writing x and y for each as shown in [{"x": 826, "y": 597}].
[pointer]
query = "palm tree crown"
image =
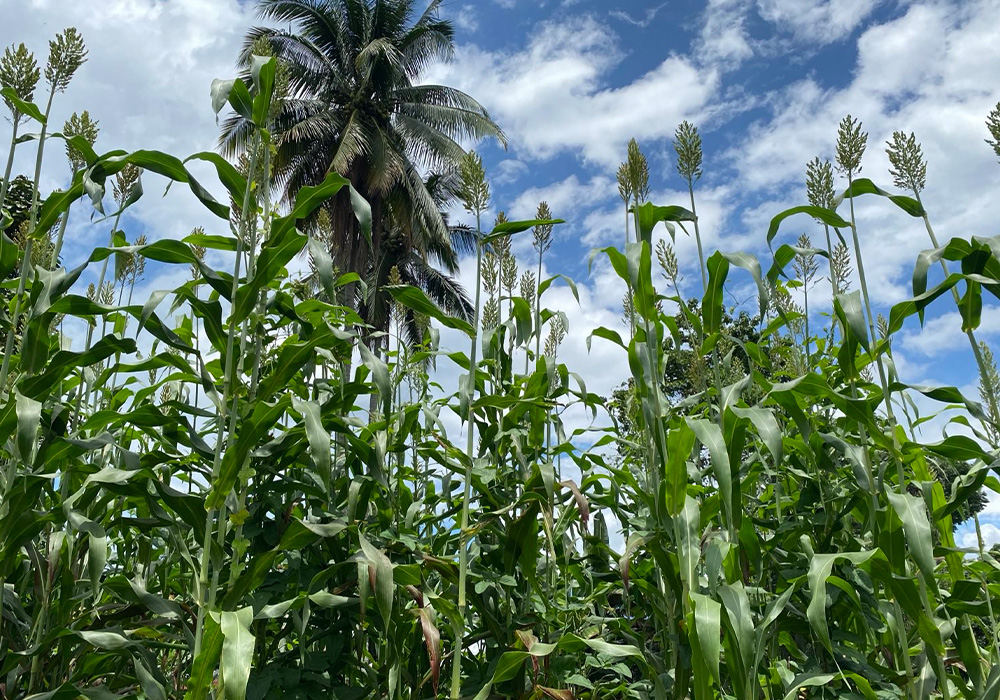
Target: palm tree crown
[{"x": 353, "y": 105}]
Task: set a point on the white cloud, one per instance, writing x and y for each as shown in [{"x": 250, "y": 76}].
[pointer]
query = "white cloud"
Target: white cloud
[
  {"x": 553, "y": 96},
  {"x": 644, "y": 21},
  {"x": 941, "y": 335},
  {"x": 465, "y": 19},
  {"x": 724, "y": 38},
  {"x": 563, "y": 197},
  {"x": 991, "y": 536},
  {"x": 820, "y": 21},
  {"x": 508, "y": 171}
]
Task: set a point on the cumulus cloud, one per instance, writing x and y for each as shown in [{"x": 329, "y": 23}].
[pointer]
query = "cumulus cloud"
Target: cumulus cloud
[
  {"x": 509, "y": 171},
  {"x": 937, "y": 336},
  {"x": 820, "y": 21},
  {"x": 724, "y": 38},
  {"x": 563, "y": 196},
  {"x": 465, "y": 18},
  {"x": 554, "y": 95},
  {"x": 991, "y": 536}
]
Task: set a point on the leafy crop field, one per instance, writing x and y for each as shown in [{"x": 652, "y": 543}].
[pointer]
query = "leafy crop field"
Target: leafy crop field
[{"x": 243, "y": 487}]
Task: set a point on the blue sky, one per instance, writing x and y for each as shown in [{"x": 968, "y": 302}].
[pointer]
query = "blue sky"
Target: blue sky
[{"x": 571, "y": 81}]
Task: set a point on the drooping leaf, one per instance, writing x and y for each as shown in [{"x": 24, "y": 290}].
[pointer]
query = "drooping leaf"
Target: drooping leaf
[
  {"x": 863, "y": 185},
  {"x": 237, "y": 651},
  {"x": 826, "y": 216}
]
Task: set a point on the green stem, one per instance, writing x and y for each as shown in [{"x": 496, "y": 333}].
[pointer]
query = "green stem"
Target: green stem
[
  {"x": 704, "y": 289},
  {"x": 463, "y": 550},
  {"x": 220, "y": 437},
  {"x": 538, "y": 310},
  {"x": 991, "y": 398},
  {"x": 236, "y": 568},
  {"x": 697, "y": 238},
  {"x": 26, "y": 268},
  {"x": 10, "y": 162},
  {"x": 871, "y": 331},
  {"x": 57, "y": 248},
  {"x": 881, "y": 368},
  {"x": 805, "y": 296}
]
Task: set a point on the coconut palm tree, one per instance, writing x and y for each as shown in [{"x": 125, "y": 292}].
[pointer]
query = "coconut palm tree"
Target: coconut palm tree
[
  {"x": 353, "y": 106},
  {"x": 416, "y": 264}
]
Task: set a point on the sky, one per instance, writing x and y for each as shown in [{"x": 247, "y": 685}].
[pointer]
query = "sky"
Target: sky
[{"x": 570, "y": 81}]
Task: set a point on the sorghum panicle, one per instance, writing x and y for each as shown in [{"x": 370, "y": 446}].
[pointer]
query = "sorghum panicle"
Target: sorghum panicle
[
  {"x": 906, "y": 160},
  {"x": 542, "y": 235},
  {"x": 19, "y": 71},
  {"x": 851, "y": 144},
  {"x": 67, "y": 53},
  {"x": 80, "y": 125},
  {"x": 687, "y": 144},
  {"x": 819, "y": 183}
]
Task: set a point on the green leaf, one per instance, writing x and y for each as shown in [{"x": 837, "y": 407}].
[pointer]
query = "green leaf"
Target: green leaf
[
  {"x": 687, "y": 528},
  {"x": 510, "y": 227},
  {"x": 710, "y": 435},
  {"x": 960, "y": 448},
  {"x": 706, "y": 630},
  {"x": 509, "y": 664},
  {"x": 262, "y": 70},
  {"x": 220, "y": 93},
  {"x": 917, "y": 529},
  {"x": 152, "y": 687},
  {"x": 738, "y": 622},
  {"x": 904, "y": 309},
  {"x": 713, "y": 308},
  {"x": 820, "y": 568},
  {"x": 22, "y": 106},
  {"x": 29, "y": 413},
  {"x": 324, "y": 267},
  {"x": 855, "y": 455},
  {"x": 384, "y": 586},
  {"x": 569, "y": 282},
  {"x": 318, "y": 437},
  {"x": 109, "y": 640},
  {"x": 613, "y": 650},
  {"x": 379, "y": 370},
  {"x": 809, "y": 680},
  {"x": 240, "y": 100},
  {"x": 680, "y": 442},
  {"x": 414, "y": 298},
  {"x": 852, "y": 315},
  {"x": 751, "y": 264},
  {"x": 237, "y": 651},
  {"x": 865, "y": 186},
  {"x": 648, "y": 215},
  {"x": 233, "y": 180},
  {"x": 767, "y": 428},
  {"x": 826, "y": 216}
]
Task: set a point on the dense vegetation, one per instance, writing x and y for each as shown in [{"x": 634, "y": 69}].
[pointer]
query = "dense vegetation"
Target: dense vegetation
[{"x": 244, "y": 488}]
